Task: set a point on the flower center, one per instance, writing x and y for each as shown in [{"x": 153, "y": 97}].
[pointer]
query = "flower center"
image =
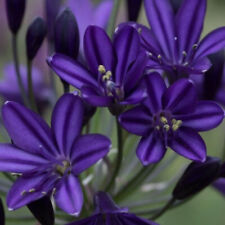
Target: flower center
[
  {"x": 109, "y": 86},
  {"x": 165, "y": 125},
  {"x": 64, "y": 168}
]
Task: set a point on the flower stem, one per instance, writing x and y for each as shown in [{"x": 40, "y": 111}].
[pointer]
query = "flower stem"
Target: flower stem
[
  {"x": 119, "y": 156},
  {"x": 30, "y": 87},
  {"x": 136, "y": 181},
  {"x": 17, "y": 69},
  {"x": 164, "y": 209},
  {"x": 112, "y": 21}
]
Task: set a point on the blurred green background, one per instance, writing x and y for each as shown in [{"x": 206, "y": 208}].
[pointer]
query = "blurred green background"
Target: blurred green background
[{"x": 208, "y": 207}]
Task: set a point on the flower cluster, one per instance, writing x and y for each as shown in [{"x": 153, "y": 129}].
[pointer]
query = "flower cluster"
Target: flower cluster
[{"x": 155, "y": 83}]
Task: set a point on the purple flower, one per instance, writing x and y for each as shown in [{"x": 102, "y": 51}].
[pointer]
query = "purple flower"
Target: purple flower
[
  {"x": 219, "y": 184},
  {"x": 115, "y": 69},
  {"x": 87, "y": 14},
  {"x": 49, "y": 159},
  {"x": 107, "y": 213},
  {"x": 173, "y": 42},
  {"x": 171, "y": 117},
  {"x": 9, "y": 88}
]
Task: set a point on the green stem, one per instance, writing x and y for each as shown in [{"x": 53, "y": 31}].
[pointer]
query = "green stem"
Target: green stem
[
  {"x": 17, "y": 69},
  {"x": 136, "y": 181},
  {"x": 30, "y": 86},
  {"x": 164, "y": 209},
  {"x": 119, "y": 156},
  {"x": 112, "y": 21}
]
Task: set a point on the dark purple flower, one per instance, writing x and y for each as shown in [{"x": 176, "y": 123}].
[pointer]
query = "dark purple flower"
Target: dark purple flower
[
  {"x": 87, "y": 14},
  {"x": 10, "y": 91},
  {"x": 173, "y": 43},
  {"x": 171, "y": 117},
  {"x": 115, "y": 69},
  {"x": 15, "y": 13},
  {"x": 107, "y": 213},
  {"x": 49, "y": 160},
  {"x": 196, "y": 177}
]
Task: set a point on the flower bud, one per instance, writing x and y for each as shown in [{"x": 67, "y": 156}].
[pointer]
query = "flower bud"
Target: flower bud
[
  {"x": 67, "y": 34},
  {"x": 196, "y": 177},
  {"x": 133, "y": 9},
  {"x": 15, "y": 12},
  {"x": 51, "y": 11},
  {"x": 42, "y": 210},
  {"x": 35, "y": 35}
]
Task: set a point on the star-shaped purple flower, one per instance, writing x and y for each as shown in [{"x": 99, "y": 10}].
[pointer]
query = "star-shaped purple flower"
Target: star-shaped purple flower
[
  {"x": 115, "y": 68},
  {"x": 171, "y": 117},
  {"x": 108, "y": 213},
  {"x": 49, "y": 160},
  {"x": 173, "y": 43}
]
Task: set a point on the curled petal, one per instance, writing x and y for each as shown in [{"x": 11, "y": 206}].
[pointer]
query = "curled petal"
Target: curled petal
[
  {"x": 150, "y": 150},
  {"x": 189, "y": 144},
  {"x": 87, "y": 150},
  {"x": 69, "y": 196}
]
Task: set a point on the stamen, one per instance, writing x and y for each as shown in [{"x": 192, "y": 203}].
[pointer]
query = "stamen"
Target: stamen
[
  {"x": 107, "y": 76},
  {"x": 101, "y": 69},
  {"x": 176, "y": 124},
  {"x": 163, "y": 120},
  {"x": 32, "y": 190},
  {"x": 166, "y": 127},
  {"x": 23, "y": 193},
  {"x": 195, "y": 46},
  {"x": 139, "y": 30},
  {"x": 184, "y": 53},
  {"x": 175, "y": 38},
  {"x": 157, "y": 127},
  {"x": 43, "y": 192},
  {"x": 159, "y": 57}
]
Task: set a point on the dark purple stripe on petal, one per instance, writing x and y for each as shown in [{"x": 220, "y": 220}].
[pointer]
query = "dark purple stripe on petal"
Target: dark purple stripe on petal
[
  {"x": 137, "y": 121},
  {"x": 150, "y": 150},
  {"x": 69, "y": 196},
  {"x": 206, "y": 116},
  {"x": 98, "y": 49},
  {"x": 189, "y": 144},
  {"x": 67, "y": 121},
  {"x": 71, "y": 71},
  {"x": 87, "y": 150},
  {"x": 189, "y": 22},
  {"x": 161, "y": 19},
  {"x": 180, "y": 97}
]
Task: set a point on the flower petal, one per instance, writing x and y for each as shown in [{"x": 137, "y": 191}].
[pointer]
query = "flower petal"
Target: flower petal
[
  {"x": 206, "y": 116},
  {"x": 92, "y": 96},
  {"x": 71, "y": 71},
  {"x": 87, "y": 150},
  {"x": 212, "y": 43},
  {"x": 67, "y": 119},
  {"x": 69, "y": 196},
  {"x": 27, "y": 129},
  {"x": 150, "y": 150},
  {"x": 29, "y": 188},
  {"x": 161, "y": 19},
  {"x": 92, "y": 220},
  {"x": 180, "y": 97},
  {"x": 189, "y": 144},
  {"x": 98, "y": 49},
  {"x": 219, "y": 184},
  {"x": 189, "y": 23},
  {"x": 139, "y": 125},
  {"x": 16, "y": 160},
  {"x": 127, "y": 45},
  {"x": 155, "y": 88}
]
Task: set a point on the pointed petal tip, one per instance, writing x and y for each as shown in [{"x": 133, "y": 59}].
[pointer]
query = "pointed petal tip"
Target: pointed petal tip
[
  {"x": 11, "y": 209},
  {"x": 76, "y": 214}
]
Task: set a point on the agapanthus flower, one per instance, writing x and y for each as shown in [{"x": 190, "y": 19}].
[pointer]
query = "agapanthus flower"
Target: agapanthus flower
[
  {"x": 115, "y": 68},
  {"x": 10, "y": 91},
  {"x": 87, "y": 14},
  {"x": 108, "y": 213},
  {"x": 173, "y": 43},
  {"x": 171, "y": 117},
  {"x": 49, "y": 160}
]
